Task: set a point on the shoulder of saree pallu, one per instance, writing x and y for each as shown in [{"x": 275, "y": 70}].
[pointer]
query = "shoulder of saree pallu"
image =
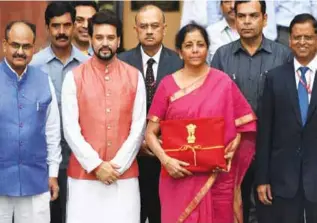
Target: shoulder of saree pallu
[
  {"x": 177, "y": 95},
  {"x": 187, "y": 90},
  {"x": 153, "y": 118},
  {"x": 245, "y": 119}
]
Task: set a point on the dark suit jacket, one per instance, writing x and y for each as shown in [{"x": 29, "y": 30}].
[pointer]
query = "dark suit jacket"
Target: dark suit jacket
[
  {"x": 168, "y": 64},
  {"x": 286, "y": 153}
]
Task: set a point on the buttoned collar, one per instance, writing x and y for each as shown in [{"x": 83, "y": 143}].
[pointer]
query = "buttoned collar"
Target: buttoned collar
[
  {"x": 265, "y": 46},
  {"x": 312, "y": 64},
  {"x": 75, "y": 54},
  {"x": 105, "y": 68},
  {"x": 146, "y": 57},
  {"x": 224, "y": 25},
  {"x": 13, "y": 71}
]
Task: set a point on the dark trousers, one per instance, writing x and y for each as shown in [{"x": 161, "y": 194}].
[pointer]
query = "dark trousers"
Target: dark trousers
[
  {"x": 58, "y": 207},
  {"x": 246, "y": 190},
  {"x": 289, "y": 210},
  {"x": 149, "y": 168}
]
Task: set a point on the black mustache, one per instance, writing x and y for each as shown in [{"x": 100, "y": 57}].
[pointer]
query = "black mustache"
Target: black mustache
[
  {"x": 23, "y": 56},
  {"x": 105, "y": 48},
  {"x": 62, "y": 36}
]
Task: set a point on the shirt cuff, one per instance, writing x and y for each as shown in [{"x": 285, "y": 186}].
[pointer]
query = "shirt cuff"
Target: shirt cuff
[
  {"x": 53, "y": 170},
  {"x": 121, "y": 169},
  {"x": 93, "y": 165}
]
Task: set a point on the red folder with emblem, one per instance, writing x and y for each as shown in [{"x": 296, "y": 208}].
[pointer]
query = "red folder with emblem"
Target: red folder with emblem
[{"x": 199, "y": 142}]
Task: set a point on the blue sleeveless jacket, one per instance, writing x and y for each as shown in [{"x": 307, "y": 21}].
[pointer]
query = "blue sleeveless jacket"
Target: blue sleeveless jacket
[{"x": 23, "y": 149}]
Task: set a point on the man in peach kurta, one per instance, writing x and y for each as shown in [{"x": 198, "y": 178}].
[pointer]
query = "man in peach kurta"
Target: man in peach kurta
[{"x": 104, "y": 110}]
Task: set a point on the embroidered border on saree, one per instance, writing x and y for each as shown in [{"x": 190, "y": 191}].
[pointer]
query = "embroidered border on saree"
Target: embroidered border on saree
[
  {"x": 244, "y": 119},
  {"x": 187, "y": 90},
  {"x": 153, "y": 118},
  {"x": 203, "y": 191},
  {"x": 200, "y": 195}
]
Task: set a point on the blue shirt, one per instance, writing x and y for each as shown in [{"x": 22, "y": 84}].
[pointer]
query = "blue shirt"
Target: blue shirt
[
  {"x": 54, "y": 67},
  {"x": 90, "y": 51}
]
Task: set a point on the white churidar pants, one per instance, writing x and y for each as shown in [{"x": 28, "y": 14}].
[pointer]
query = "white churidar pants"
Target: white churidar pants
[
  {"x": 28, "y": 209},
  {"x": 91, "y": 201}
]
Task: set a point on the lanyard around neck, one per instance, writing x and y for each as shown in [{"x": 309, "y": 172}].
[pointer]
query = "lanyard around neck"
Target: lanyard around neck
[{"x": 306, "y": 85}]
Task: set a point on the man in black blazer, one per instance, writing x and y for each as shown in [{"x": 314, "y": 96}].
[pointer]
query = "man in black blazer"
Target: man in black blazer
[
  {"x": 154, "y": 61},
  {"x": 286, "y": 158}
]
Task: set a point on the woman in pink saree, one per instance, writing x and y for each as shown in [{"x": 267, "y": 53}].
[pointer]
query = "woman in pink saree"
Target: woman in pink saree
[{"x": 198, "y": 91}]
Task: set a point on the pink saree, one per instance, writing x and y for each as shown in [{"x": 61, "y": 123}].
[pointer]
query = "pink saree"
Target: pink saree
[{"x": 210, "y": 197}]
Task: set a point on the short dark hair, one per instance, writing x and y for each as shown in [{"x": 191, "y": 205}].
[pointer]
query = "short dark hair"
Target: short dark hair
[
  {"x": 55, "y": 9},
  {"x": 262, "y": 4},
  {"x": 303, "y": 18},
  {"x": 181, "y": 35},
  {"x": 93, "y": 4},
  {"x": 10, "y": 24},
  {"x": 105, "y": 17}
]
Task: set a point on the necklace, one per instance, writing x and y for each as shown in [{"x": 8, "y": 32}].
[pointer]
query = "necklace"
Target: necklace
[{"x": 192, "y": 84}]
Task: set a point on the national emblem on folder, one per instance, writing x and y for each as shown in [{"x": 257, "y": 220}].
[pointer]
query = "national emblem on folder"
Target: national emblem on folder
[{"x": 199, "y": 142}]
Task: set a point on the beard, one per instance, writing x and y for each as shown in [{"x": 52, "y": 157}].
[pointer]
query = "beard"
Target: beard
[{"x": 104, "y": 56}]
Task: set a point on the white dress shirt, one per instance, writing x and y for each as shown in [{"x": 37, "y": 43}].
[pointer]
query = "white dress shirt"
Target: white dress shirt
[
  {"x": 286, "y": 10},
  {"x": 220, "y": 34},
  {"x": 310, "y": 74},
  {"x": 85, "y": 154},
  {"x": 52, "y": 130},
  {"x": 145, "y": 59},
  {"x": 197, "y": 11}
]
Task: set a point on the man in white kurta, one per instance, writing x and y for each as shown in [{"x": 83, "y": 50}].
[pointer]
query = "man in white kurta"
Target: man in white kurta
[{"x": 104, "y": 115}]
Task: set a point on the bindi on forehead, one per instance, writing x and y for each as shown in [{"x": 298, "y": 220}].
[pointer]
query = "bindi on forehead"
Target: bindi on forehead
[{"x": 194, "y": 34}]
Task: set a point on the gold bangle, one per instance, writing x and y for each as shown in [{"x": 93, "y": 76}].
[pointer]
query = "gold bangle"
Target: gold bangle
[{"x": 167, "y": 161}]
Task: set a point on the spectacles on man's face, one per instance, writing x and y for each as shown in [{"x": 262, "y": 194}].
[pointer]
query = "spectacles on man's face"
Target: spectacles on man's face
[
  {"x": 17, "y": 46},
  {"x": 306, "y": 38}
]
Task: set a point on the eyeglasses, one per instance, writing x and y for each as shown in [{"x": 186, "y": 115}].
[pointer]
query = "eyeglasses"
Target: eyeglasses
[
  {"x": 17, "y": 46},
  {"x": 304, "y": 37}
]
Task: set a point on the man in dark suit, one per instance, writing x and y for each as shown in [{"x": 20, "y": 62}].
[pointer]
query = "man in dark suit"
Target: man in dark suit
[
  {"x": 154, "y": 61},
  {"x": 286, "y": 162}
]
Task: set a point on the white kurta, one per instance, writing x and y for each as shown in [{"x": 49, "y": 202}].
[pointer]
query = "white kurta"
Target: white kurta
[{"x": 93, "y": 201}]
